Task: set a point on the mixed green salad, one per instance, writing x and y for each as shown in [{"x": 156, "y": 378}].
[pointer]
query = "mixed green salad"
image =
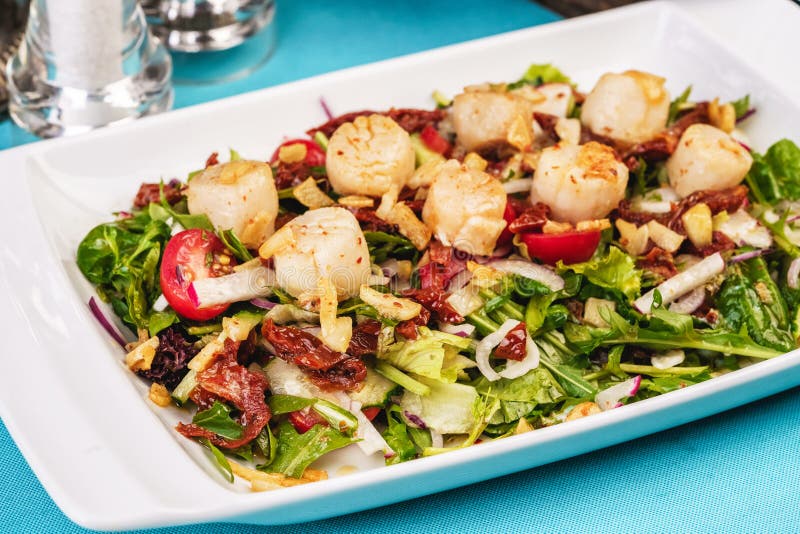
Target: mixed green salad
[{"x": 414, "y": 282}]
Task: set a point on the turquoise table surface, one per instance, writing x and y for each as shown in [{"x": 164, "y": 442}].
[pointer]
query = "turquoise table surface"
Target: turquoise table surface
[{"x": 735, "y": 472}]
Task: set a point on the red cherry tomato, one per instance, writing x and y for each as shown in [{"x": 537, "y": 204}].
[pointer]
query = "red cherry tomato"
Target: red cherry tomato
[
  {"x": 371, "y": 412},
  {"x": 305, "y": 419},
  {"x": 434, "y": 140},
  {"x": 509, "y": 215},
  {"x": 569, "y": 247},
  {"x": 192, "y": 255},
  {"x": 315, "y": 156}
]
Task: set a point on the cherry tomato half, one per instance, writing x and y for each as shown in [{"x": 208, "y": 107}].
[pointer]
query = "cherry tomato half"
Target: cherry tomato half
[
  {"x": 510, "y": 214},
  {"x": 315, "y": 156},
  {"x": 434, "y": 140},
  {"x": 569, "y": 247},
  {"x": 371, "y": 412},
  {"x": 192, "y": 255},
  {"x": 305, "y": 419}
]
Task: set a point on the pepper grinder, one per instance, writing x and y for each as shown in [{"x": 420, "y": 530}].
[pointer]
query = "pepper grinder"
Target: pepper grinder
[{"x": 85, "y": 64}]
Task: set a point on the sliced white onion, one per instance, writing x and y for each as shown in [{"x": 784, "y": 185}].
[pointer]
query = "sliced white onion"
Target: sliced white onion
[
  {"x": 371, "y": 440},
  {"x": 390, "y": 267},
  {"x": 465, "y": 300},
  {"x": 689, "y": 302},
  {"x": 377, "y": 280},
  {"x": 463, "y": 330},
  {"x": 235, "y": 287},
  {"x": 160, "y": 304},
  {"x": 487, "y": 344},
  {"x": 459, "y": 280},
  {"x": 745, "y": 229},
  {"x": 610, "y": 398},
  {"x": 683, "y": 282},
  {"x": 793, "y": 273},
  {"x": 521, "y": 185},
  {"x": 437, "y": 440},
  {"x": 532, "y": 271},
  {"x": 515, "y": 369},
  {"x": 671, "y": 358}
]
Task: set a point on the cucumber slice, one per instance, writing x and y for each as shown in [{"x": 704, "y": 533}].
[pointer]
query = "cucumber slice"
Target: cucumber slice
[{"x": 376, "y": 390}]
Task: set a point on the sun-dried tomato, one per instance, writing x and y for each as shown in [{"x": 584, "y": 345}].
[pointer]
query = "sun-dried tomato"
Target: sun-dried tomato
[
  {"x": 660, "y": 262},
  {"x": 513, "y": 345},
  {"x": 370, "y": 222},
  {"x": 548, "y": 123},
  {"x": 408, "y": 329},
  {"x": 530, "y": 220},
  {"x": 300, "y": 347},
  {"x": 409, "y": 119},
  {"x": 152, "y": 193},
  {"x": 365, "y": 338},
  {"x": 719, "y": 243},
  {"x": 730, "y": 200},
  {"x": 439, "y": 253},
  {"x": 225, "y": 379},
  {"x": 435, "y": 300},
  {"x": 347, "y": 375},
  {"x": 664, "y": 143},
  {"x": 212, "y": 160},
  {"x": 415, "y": 120}
]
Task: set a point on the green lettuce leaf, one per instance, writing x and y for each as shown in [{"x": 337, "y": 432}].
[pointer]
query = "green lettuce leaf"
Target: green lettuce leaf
[
  {"x": 776, "y": 174},
  {"x": 616, "y": 270},
  {"x": 217, "y": 419},
  {"x": 295, "y": 452},
  {"x": 397, "y": 437}
]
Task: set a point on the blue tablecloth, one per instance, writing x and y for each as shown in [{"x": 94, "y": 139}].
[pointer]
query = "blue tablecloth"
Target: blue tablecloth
[{"x": 738, "y": 471}]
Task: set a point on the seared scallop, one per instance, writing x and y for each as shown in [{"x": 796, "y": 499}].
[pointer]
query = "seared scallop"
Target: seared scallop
[
  {"x": 321, "y": 243},
  {"x": 630, "y": 107},
  {"x": 707, "y": 158},
  {"x": 579, "y": 182},
  {"x": 370, "y": 156},
  {"x": 485, "y": 120},
  {"x": 464, "y": 208},
  {"x": 239, "y": 196}
]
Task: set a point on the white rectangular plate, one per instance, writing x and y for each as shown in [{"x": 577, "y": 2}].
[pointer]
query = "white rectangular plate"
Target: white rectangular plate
[{"x": 118, "y": 463}]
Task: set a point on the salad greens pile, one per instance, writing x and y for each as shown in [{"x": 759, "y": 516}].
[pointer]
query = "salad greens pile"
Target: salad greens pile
[{"x": 439, "y": 382}]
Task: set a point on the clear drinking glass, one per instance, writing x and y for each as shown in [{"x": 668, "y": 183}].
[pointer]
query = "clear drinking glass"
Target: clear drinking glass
[
  {"x": 85, "y": 64},
  {"x": 213, "y": 40}
]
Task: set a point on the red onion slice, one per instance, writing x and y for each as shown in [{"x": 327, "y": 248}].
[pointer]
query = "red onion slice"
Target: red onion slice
[
  {"x": 105, "y": 323},
  {"x": 690, "y": 302},
  {"x": 325, "y": 108},
  {"x": 262, "y": 303},
  {"x": 793, "y": 273},
  {"x": 610, "y": 398}
]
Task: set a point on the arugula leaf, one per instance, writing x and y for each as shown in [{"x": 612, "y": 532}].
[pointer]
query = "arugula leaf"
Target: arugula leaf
[
  {"x": 741, "y": 106},
  {"x": 267, "y": 445},
  {"x": 217, "y": 419},
  {"x": 776, "y": 175},
  {"x": 397, "y": 437},
  {"x": 616, "y": 270},
  {"x": 382, "y": 246},
  {"x": 677, "y": 105},
  {"x": 280, "y": 404},
  {"x": 537, "y": 387},
  {"x": 750, "y": 299},
  {"x": 220, "y": 459},
  {"x": 121, "y": 259},
  {"x": 234, "y": 245},
  {"x": 296, "y": 451},
  {"x": 538, "y": 74},
  {"x": 657, "y": 337},
  {"x": 158, "y": 321}
]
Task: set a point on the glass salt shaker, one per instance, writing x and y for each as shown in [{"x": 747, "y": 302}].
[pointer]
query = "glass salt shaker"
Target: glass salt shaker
[{"x": 84, "y": 64}]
